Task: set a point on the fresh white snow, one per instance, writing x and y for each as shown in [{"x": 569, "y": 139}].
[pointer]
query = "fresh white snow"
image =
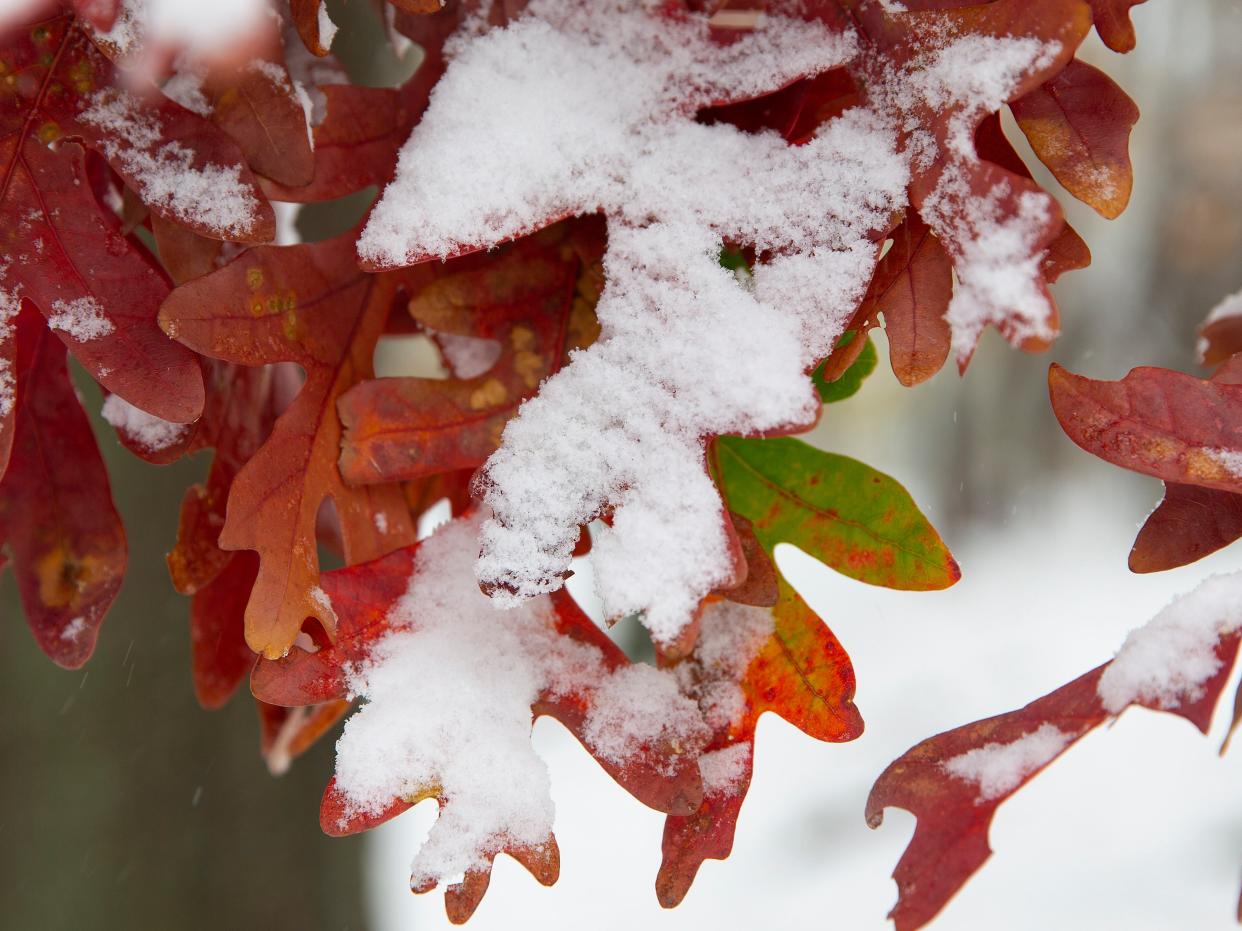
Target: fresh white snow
[
  {"x": 82, "y": 318},
  {"x": 165, "y": 172},
  {"x": 1167, "y": 660},
  {"x": 146, "y": 430},
  {"x": 999, "y": 768},
  {"x": 623, "y": 426}
]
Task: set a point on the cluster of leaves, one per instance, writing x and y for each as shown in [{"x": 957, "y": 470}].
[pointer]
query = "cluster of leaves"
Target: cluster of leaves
[
  {"x": 264, "y": 354},
  {"x": 1183, "y": 430}
]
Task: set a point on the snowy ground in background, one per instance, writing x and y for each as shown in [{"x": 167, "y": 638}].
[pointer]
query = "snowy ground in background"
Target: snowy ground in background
[{"x": 1139, "y": 826}]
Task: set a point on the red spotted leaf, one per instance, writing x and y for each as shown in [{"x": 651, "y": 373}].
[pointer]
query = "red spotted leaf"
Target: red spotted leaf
[
  {"x": 856, "y": 520},
  {"x": 58, "y": 525},
  {"x": 534, "y": 299},
  {"x": 1157, "y": 422}
]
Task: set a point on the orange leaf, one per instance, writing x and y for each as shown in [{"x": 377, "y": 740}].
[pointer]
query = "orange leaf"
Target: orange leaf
[
  {"x": 534, "y": 298},
  {"x": 306, "y": 304}
]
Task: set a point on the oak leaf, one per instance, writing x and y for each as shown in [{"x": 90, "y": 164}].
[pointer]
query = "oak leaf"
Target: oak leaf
[
  {"x": 535, "y": 298},
  {"x": 949, "y": 786},
  {"x": 58, "y": 524},
  {"x": 1079, "y": 125},
  {"x": 306, "y": 304},
  {"x": 1157, "y": 422}
]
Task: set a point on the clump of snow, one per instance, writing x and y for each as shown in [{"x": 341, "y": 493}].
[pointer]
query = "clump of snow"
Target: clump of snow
[
  {"x": 146, "y": 430},
  {"x": 1231, "y": 459},
  {"x": 999, "y": 768},
  {"x": 74, "y": 629},
  {"x": 1168, "y": 660},
  {"x": 202, "y": 27},
  {"x": 468, "y": 356},
  {"x": 724, "y": 770},
  {"x": 640, "y": 706},
  {"x": 327, "y": 28},
  {"x": 82, "y": 318},
  {"x": 448, "y": 695},
  {"x": 164, "y": 172},
  {"x": 10, "y": 306},
  {"x": 687, "y": 349}
]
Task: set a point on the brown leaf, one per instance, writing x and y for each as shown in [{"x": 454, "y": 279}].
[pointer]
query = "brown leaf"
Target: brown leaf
[
  {"x": 911, "y": 287},
  {"x": 535, "y": 297},
  {"x": 1079, "y": 125}
]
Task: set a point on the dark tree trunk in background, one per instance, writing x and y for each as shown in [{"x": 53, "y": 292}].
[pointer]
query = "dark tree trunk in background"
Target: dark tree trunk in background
[{"x": 125, "y": 805}]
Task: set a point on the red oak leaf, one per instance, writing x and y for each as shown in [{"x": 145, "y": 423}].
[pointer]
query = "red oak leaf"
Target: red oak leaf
[
  {"x": 357, "y": 141},
  {"x": 1079, "y": 125},
  {"x": 182, "y": 167},
  {"x": 534, "y": 298},
  {"x": 363, "y": 596},
  {"x": 57, "y": 521},
  {"x": 911, "y": 287},
  {"x": 1112, "y": 22},
  {"x": 1155, "y": 421},
  {"x": 98, "y": 289},
  {"x": 310, "y": 305},
  {"x": 1190, "y": 522},
  {"x": 953, "y": 782}
]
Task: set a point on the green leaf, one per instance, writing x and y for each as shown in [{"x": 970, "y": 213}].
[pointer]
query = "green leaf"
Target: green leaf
[
  {"x": 852, "y": 518},
  {"x": 733, "y": 259},
  {"x": 852, "y": 378}
]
